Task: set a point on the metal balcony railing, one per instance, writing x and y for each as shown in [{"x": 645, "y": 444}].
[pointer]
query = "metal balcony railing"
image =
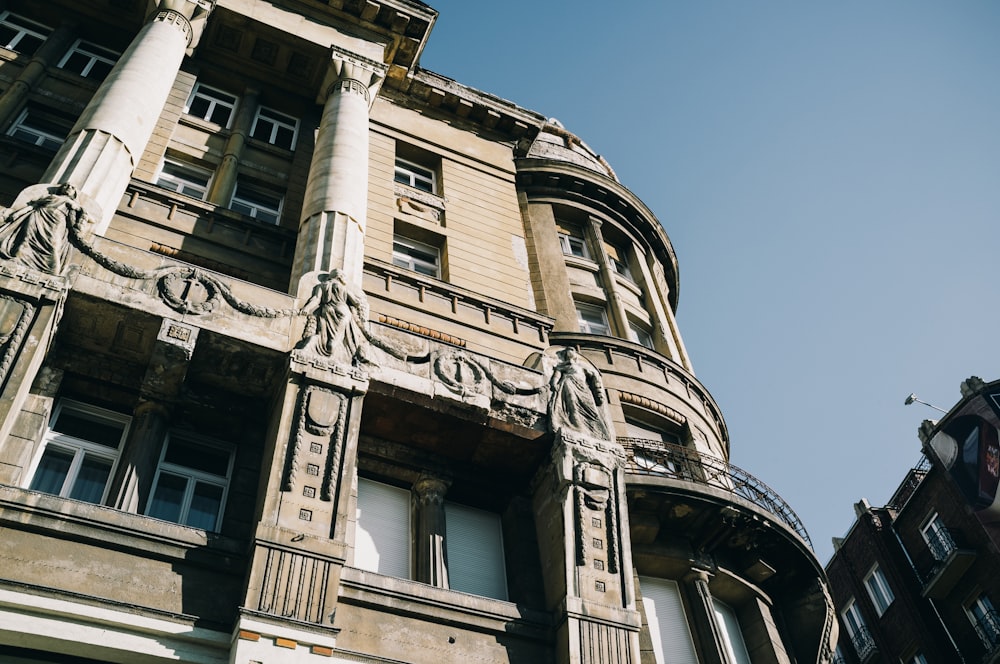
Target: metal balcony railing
[
  {"x": 941, "y": 543},
  {"x": 654, "y": 457},
  {"x": 863, "y": 643},
  {"x": 988, "y": 629}
]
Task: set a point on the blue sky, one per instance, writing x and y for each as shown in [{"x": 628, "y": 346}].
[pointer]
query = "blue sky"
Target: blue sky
[{"x": 829, "y": 174}]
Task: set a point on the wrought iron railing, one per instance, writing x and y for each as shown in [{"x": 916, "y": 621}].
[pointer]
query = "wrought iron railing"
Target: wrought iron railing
[
  {"x": 863, "y": 643},
  {"x": 941, "y": 543},
  {"x": 653, "y": 457},
  {"x": 988, "y": 629}
]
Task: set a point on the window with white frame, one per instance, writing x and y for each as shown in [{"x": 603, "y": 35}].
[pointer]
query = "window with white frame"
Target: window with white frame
[
  {"x": 257, "y": 202},
  {"x": 857, "y": 631},
  {"x": 474, "y": 545},
  {"x": 938, "y": 538},
  {"x": 640, "y": 335},
  {"x": 211, "y": 104},
  {"x": 191, "y": 482},
  {"x": 917, "y": 659},
  {"x": 668, "y": 625},
  {"x": 619, "y": 260},
  {"x": 417, "y": 256},
  {"x": 592, "y": 319},
  {"x": 382, "y": 534},
  {"x": 275, "y": 128},
  {"x": 654, "y": 459},
  {"x": 21, "y": 35},
  {"x": 416, "y": 176},
  {"x": 39, "y": 127},
  {"x": 732, "y": 634},
  {"x": 571, "y": 241},
  {"x": 878, "y": 590},
  {"x": 80, "y": 451},
  {"x": 985, "y": 620},
  {"x": 89, "y": 60},
  {"x": 184, "y": 179}
]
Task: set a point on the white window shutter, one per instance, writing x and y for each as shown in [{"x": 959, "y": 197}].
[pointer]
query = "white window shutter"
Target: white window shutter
[
  {"x": 668, "y": 626},
  {"x": 474, "y": 545},
  {"x": 382, "y": 542}
]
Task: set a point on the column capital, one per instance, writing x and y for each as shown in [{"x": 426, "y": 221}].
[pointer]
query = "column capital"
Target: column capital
[
  {"x": 350, "y": 73},
  {"x": 182, "y": 14},
  {"x": 430, "y": 489}
]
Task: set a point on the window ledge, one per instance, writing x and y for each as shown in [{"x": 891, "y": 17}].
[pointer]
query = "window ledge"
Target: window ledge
[
  {"x": 204, "y": 125},
  {"x": 401, "y": 190},
  {"x": 441, "y": 604},
  {"x": 582, "y": 263},
  {"x": 106, "y": 526}
]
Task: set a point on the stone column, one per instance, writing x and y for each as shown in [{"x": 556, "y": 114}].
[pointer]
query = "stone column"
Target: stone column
[
  {"x": 332, "y": 230},
  {"x": 137, "y": 465},
  {"x": 15, "y": 97},
  {"x": 659, "y": 295},
  {"x": 108, "y": 140},
  {"x": 619, "y": 319},
  {"x": 224, "y": 180},
  {"x": 428, "y": 506},
  {"x": 704, "y": 622}
]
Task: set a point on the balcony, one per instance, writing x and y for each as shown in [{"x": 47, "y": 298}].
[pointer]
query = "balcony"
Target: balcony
[
  {"x": 951, "y": 561},
  {"x": 863, "y": 644},
  {"x": 652, "y": 457}
]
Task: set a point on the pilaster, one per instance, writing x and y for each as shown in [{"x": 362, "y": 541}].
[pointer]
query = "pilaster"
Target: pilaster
[
  {"x": 618, "y": 315},
  {"x": 332, "y": 229},
  {"x": 105, "y": 144},
  {"x": 14, "y": 98}
]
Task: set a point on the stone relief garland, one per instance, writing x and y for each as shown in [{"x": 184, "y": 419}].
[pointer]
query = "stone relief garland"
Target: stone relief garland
[{"x": 15, "y": 318}]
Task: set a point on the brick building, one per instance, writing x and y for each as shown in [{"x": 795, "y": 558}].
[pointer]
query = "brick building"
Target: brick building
[
  {"x": 309, "y": 354},
  {"x": 917, "y": 581}
]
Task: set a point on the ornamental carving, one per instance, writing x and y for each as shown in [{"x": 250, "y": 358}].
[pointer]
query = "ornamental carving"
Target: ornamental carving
[
  {"x": 464, "y": 374},
  {"x": 37, "y": 235},
  {"x": 596, "y": 512},
  {"x": 319, "y": 412},
  {"x": 15, "y": 318},
  {"x": 576, "y": 399},
  {"x": 188, "y": 292}
]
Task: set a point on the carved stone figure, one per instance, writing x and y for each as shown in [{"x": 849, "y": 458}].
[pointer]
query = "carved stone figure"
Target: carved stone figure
[
  {"x": 338, "y": 324},
  {"x": 576, "y": 402},
  {"x": 37, "y": 235}
]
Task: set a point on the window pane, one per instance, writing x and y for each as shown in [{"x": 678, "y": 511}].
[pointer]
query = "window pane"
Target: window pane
[
  {"x": 732, "y": 633},
  {"x": 198, "y": 107},
  {"x": 474, "y": 546},
  {"x": 52, "y": 469},
  {"x": 79, "y": 425},
  {"x": 668, "y": 626},
  {"x": 383, "y": 530},
  {"x": 198, "y": 457},
  {"x": 220, "y": 115},
  {"x": 168, "y": 497},
  {"x": 262, "y": 130},
  {"x": 91, "y": 480},
  {"x": 205, "y": 504},
  {"x": 284, "y": 137}
]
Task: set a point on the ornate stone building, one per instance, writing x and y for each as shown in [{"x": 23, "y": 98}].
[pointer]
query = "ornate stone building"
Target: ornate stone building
[{"x": 310, "y": 354}]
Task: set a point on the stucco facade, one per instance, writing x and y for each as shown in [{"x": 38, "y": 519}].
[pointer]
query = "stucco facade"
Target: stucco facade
[{"x": 310, "y": 354}]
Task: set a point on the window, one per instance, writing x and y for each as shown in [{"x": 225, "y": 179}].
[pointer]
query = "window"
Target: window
[
  {"x": 79, "y": 452},
  {"x": 878, "y": 590},
  {"x": 20, "y": 34},
  {"x": 191, "y": 483},
  {"x": 211, "y": 104},
  {"x": 938, "y": 538},
  {"x": 275, "y": 128},
  {"x": 860, "y": 637},
  {"x": 474, "y": 546},
  {"x": 732, "y": 635},
  {"x": 640, "y": 335},
  {"x": 415, "y": 176},
  {"x": 258, "y": 203},
  {"x": 572, "y": 243},
  {"x": 917, "y": 659},
  {"x": 592, "y": 319},
  {"x": 38, "y": 127},
  {"x": 668, "y": 626},
  {"x": 417, "y": 256},
  {"x": 88, "y": 60},
  {"x": 184, "y": 179},
  {"x": 619, "y": 260},
  {"x": 383, "y": 529},
  {"x": 985, "y": 620}
]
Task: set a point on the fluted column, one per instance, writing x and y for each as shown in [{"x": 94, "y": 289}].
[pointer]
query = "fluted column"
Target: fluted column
[
  {"x": 224, "y": 181},
  {"x": 137, "y": 465},
  {"x": 15, "y": 97},
  {"x": 619, "y": 317},
  {"x": 705, "y": 623},
  {"x": 108, "y": 140},
  {"x": 332, "y": 230},
  {"x": 428, "y": 497}
]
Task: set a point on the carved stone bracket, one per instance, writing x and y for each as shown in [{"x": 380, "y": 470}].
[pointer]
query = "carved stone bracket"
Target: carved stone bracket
[
  {"x": 15, "y": 319},
  {"x": 319, "y": 412},
  {"x": 596, "y": 493}
]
